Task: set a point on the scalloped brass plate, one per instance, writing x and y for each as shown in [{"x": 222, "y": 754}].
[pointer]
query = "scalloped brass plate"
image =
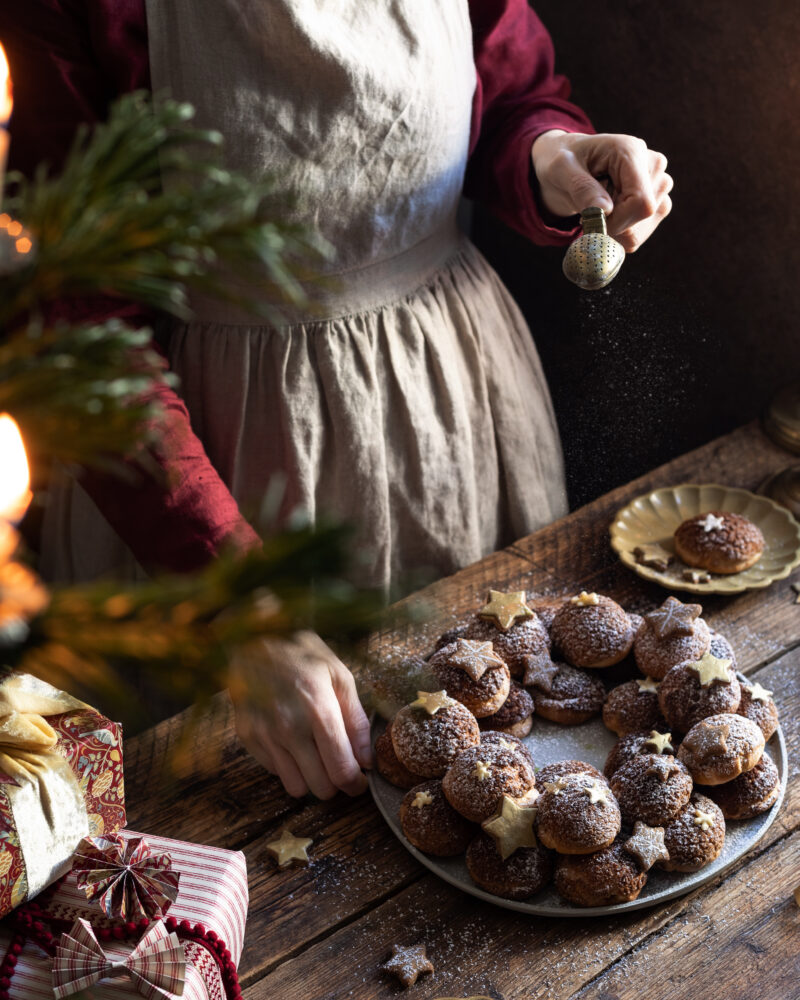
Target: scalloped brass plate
[{"x": 652, "y": 518}]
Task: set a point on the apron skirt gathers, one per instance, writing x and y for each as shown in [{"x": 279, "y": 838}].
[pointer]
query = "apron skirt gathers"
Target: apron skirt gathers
[{"x": 408, "y": 396}]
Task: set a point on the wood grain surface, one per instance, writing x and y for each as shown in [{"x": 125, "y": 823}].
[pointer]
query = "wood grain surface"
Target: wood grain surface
[{"x": 320, "y": 933}]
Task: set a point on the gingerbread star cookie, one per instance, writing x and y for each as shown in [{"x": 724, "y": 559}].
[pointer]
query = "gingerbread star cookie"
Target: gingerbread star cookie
[
  {"x": 662, "y": 768},
  {"x": 758, "y": 693},
  {"x": 673, "y": 618},
  {"x": 647, "y": 684},
  {"x": 647, "y": 845},
  {"x": 474, "y": 658},
  {"x": 540, "y": 673},
  {"x": 652, "y": 555},
  {"x": 289, "y": 849},
  {"x": 482, "y": 770},
  {"x": 598, "y": 792},
  {"x": 506, "y": 609},
  {"x": 432, "y": 701},
  {"x": 408, "y": 964},
  {"x": 702, "y": 819},
  {"x": 661, "y": 742},
  {"x": 585, "y": 600},
  {"x": 710, "y": 668},
  {"x": 511, "y": 827},
  {"x": 421, "y": 799}
]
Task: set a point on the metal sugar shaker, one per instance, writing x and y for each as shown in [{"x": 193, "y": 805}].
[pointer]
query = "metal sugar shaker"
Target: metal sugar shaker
[{"x": 594, "y": 259}]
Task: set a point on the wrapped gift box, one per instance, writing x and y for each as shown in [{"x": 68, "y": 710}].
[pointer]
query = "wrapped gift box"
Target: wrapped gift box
[
  {"x": 60, "y": 780},
  {"x": 212, "y": 897}
]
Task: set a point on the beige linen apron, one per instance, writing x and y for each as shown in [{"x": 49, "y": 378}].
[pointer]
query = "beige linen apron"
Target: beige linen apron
[{"x": 410, "y": 399}]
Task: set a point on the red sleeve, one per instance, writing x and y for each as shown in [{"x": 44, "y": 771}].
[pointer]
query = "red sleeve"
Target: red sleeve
[
  {"x": 69, "y": 59},
  {"x": 517, "y": 98}
]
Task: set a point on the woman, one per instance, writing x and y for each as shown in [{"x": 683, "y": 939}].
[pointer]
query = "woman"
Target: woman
[{"x": 411, "y": 398}]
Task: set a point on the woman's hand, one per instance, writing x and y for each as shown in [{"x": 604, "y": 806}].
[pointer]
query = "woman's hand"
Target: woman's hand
[
  {"x": 298, "y": 714},
  {"x": 567, "y": 166}
]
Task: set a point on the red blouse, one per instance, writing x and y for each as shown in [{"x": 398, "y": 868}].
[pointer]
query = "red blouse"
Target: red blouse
[{"x": 71, "y": 58}]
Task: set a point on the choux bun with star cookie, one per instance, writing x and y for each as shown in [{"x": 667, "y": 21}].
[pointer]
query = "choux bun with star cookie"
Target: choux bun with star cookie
[
  {"x": 627, "y": 747},
  {"x": 592, "y": 631},
  {"x": 431, "y": 824},
  {"x": 515, "y": 715},
  {"x": 388, "y": 765},
  {"x": 751, "y": 794},
  {"x": 671, "y": 634},
  {"x": 431, "y": 732},
  {"x": 551, "y": 772},
  {"x": 652, "y": 788},
  {"x": 632, "y": 707},
  {"x": 514, "y": 630},
  {"x": 520, "y": 875},
  {"x": 603, "y": 878},
  {"x": 720, "y": 748},
  {"x": 577, "y": 814},
  {"x": 694, "y": 690},
  {"x": 719, "y": 541},
  {"x": 472, "y": 673},
  {"x": 695, "y": 838},
  {"x": 479, "y": 777},
  {"x": 757, "y": 705},
  {"x": 565, "y": 694}
]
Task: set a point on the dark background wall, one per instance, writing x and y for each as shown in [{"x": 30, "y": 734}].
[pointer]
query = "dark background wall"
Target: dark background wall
[{"x": 700, "y": 327}]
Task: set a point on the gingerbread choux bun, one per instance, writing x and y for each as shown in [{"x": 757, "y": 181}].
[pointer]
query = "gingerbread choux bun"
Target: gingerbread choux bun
[
  {"x": 568, "y": 695},
  {"x": 528, "y": 638},
  {"x": 720, "y": 748},
  {"x": 431, "y": 732},
  {"x": 632, "y": 707},
  {"x": 751, "y": 794},
  {"x": 592, "y": 631},
  {"x": 472, "y": 673},
  {"x": 757, "y": 705},
  {"x": 551, "y": 772},
  {"x": 479, "y": 777},
  {"x": 719, "y": 541},
  {"x": 524, "y": 873},
  {"x": 630, "y": 746},
  {"x": 515, "y": 715},
  {"x": 606, "y": 877},
  {"x": 577, "y": 814},
  {"x": 695, "y": 838},
  {"x": 388, "y": 765},
  {"x": 652, "y": 788},
  {"x": 671, "y": 634},
  {"x": 431, "y": 824},
  {"x": 697, "y": 689}
]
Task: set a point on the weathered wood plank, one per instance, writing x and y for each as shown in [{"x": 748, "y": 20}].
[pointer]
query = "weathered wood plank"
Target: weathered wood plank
[{"x": 476, "y": 948}]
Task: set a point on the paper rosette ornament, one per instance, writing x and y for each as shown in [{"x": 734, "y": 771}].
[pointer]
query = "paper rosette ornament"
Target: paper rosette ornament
[{"x": 124, "y": 878}]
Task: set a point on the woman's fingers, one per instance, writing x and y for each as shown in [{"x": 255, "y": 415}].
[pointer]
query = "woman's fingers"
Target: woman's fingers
[
  {"x": 355, "y": 718},
  {"x": 333, "y": 747},
  {"x": 293, "y": 780}
]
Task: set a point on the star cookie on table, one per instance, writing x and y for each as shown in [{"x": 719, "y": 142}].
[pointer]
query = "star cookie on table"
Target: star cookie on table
[
  {"x": 289, "y": 849},
  {"x": 673, "y": 618},
  {"x": 652, "y": 555},
  {"x": 662, "y": 768},
  {"x": 696, "y": 576},
  {"x": 758, "y": 693},
  {"x": 661, "y": 742},
  {"x": 585, "y": 600},
  {"x": 556, "y": 787},
  {"x": 702, "y": 819},
  {"x": 407, "y": 964},
  {"x": 711, "y": 522},
  {"x": 647, "y": 684},
  {"x": 540, "y": 672},
  {"x": 505, "y": 609},
  {"x": 647, "y": 845},
  {"x": 482, "y": 771},
  {"x": 432, "y": 701},
  {"x": 598, "y": 791},
  {"x": 474, "y": 658},
  {"x": 710, "y": 668},
  {"x": 511, "y": 827},
  {"x": 422, "y": 799}
]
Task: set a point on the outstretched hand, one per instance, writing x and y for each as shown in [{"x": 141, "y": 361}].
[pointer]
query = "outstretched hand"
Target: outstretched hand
[
  {"x": 568, "y": 165},
  {"x": 298, "y": 714}
]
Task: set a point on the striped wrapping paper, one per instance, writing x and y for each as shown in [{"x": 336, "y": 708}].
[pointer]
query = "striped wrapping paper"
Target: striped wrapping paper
[{"x": 212, "y": 892}]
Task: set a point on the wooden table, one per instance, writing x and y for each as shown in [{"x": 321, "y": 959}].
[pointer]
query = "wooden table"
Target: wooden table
[{"x": 320, "y": 933}]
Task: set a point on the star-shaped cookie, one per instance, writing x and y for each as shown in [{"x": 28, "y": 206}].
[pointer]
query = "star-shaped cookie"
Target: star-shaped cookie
[
  {"x": 505, "y": 609},
  {"x": 710, "y": 668},
  {"x": 712, "y": 737},
  {"x": 647, "y": 684},
  {"x": 407, "y": 964},
  {"x": 556, "y": 787},
  {"x": 421, "y": 799},
  {"x": 540, "y": 672},
  {"x": 598, "y": 791},
  {"x": 652, "y": 555},
  {"x": 711, "y": 522},
  {"x": 474, "y": 658},
  {"x": 289, "y": 849},
  {"x": 585, "y": 600},
  {"x": 647, "y": 845},
  {"x": 481, "y": 770},
  {"x": 662, "y": 768},
  {"x": 673, "y": 618},
  {"x": 432, "y": 701},
  {"x": 511, "y": 827},
  {"x": 703, "y": 819},
  {"x": 758, "y": 693},
  {"x": 661, "y": 742}
]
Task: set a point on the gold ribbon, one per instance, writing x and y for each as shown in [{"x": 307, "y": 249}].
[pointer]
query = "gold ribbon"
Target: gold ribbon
[{"x": 47, "y": 802}]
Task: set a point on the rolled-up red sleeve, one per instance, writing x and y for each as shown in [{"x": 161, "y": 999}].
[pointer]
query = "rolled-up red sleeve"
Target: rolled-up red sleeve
[
  {"x": 70, "y": 59},
  {"x": 518, "y": 96}
]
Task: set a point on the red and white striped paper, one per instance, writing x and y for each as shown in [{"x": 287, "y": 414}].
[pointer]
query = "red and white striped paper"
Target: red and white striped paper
[{"x": 212, "y": 892}]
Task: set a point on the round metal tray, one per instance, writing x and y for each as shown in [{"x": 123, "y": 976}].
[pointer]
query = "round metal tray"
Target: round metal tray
[
  {"x": 653, "y": 517},
  {"x": 591, "y": 743}
]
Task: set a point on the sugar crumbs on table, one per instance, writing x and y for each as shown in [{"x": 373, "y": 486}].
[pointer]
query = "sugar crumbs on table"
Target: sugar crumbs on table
[
  {"x": 407, "y": 964},
  {"x": 289, "y": 849}
]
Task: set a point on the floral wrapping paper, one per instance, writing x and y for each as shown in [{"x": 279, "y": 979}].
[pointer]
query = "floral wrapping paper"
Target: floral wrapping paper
[
  {"x": 212, "y": 891},
  {"x": 92, "y": 747}
]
